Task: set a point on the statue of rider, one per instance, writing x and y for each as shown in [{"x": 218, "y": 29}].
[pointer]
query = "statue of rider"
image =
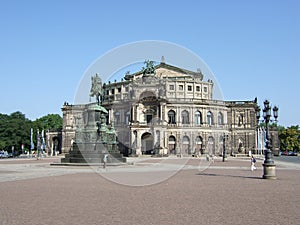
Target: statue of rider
[{"x": 96, "y": 89}]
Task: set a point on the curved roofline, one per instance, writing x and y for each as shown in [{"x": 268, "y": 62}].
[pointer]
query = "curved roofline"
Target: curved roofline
[{"x": 167, "y": 66}]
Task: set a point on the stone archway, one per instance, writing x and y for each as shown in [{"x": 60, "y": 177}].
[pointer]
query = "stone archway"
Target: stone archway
[
  {"x": 211, "y": 146},
  {"x": 56, "y": 146},
  {"x": 147, "y": 141},
  {"x": 198, "y": 145},
  {"x": 172, "y": 145},
  {"x": 148, "y": 107},
  {"x": 186, "y": 145},
  {"x": 241, "y": 147}
]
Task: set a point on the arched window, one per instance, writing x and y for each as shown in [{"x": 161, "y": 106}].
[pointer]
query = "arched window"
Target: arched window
[
  {"x": 127, "y": 117},
  {"x": 172, "y": 139},
  {"x": 198, "y": 118},
  {"x": 240, "y": 120},
  {"x": 209, "y": 118},
  {"x": 117, "y": 118},
  {"x": 172, "y": 145},
  {"x": 172, "y": 117},
  {"x": 185, "y": 140},
  {"x": 211, "y": 146},
  {"x": 186, "y": 145},
  {"x": 185, "y": 117},
  {"x": 220, "y": 119},
  {"x": 198, "y": 145}
]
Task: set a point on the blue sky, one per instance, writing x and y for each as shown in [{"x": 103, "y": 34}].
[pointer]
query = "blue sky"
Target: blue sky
[{"x": 252, "y": 47}]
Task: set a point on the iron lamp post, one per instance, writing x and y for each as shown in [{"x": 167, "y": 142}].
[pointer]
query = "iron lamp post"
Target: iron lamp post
[
  {"x": 269, "y": 171},
  {"x": 225, "y": 136}
]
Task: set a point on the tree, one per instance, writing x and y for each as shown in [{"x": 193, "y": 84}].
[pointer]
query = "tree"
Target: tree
[
  {"x": 49, "y": 122},
  {"x": 3, "y": 125},
  {"x": 290, "y": 138},
  {"x": 14, "y": 131}
]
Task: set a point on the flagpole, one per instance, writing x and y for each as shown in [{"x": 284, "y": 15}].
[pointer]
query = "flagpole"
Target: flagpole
[
  {"x": 31, "y": 142},
  {"x": 258, "y": 141},
  {"x": 37, "y": 144},
  {"x": 43, "y": 141}
]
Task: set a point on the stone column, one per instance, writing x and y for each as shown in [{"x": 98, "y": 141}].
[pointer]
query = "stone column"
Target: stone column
[
  {"x": 133, "y": 116},
  {"x": 160, "y": 119},
  {"x": 192, "y": 142},
  {"x": 178, "y": 142},
  {"x": 133, "y": 141},
  {"x": 111, "y": 115},
  {"x": 52, "y": 147},
  {"x": 165, "y": 142},
  {"x": 178, "y": 114},
  {"x": 165, "y": 114},
  {"x": 138, "y": 144}
]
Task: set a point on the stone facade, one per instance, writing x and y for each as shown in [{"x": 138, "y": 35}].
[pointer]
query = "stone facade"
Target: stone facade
[{"x": 168, "y": 110}]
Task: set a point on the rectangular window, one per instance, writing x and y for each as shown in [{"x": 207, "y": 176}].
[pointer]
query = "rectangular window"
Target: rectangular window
[
  {"x": 119, "y": 90},
  {"x": 171, "y": 87},
  {"x": 198, "y": 88},
  {"x": 180, "y": 87},
  {"x": 149, "y": 118},
  {"x": 113, "y": 91},
  {"x": 205, "y": 89},
  {"x": 107, "y": 92},
  {"x": 126, "y": 88},
  {"x": 190, "y": 88}
]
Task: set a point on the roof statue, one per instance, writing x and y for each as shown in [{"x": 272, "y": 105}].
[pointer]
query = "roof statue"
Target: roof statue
[
  {"x": 96, "y": 89},
  {"x": 150, "y": 69}
]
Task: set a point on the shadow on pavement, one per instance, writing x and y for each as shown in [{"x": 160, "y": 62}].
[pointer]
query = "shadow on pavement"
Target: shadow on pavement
[{"x": 226, "y": 175}]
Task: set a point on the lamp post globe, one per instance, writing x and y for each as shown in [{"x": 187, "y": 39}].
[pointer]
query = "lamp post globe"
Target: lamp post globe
[{"x": 275, "y": 112}]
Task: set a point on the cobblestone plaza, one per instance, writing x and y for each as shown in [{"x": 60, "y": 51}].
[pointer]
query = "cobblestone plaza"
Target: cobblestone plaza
[{"x": 33, "y": 192}]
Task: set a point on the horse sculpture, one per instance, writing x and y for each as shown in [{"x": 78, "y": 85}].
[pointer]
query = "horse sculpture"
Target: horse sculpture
[{"x": 96, "y": 89}]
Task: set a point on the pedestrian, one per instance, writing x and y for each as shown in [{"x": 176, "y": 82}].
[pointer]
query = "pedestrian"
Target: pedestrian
[
  {"x": 207, "y": 157},
  {"x": 212, "y": 158},
  {"x": 105, "y": 160},
  {"x": 253, "y": 161},
  {"x": 199, "y": 154}
]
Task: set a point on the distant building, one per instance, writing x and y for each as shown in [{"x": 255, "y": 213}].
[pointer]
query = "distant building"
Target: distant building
[
  {"x": 53, "y": 142},
  {"x": 167, "y": 110}
]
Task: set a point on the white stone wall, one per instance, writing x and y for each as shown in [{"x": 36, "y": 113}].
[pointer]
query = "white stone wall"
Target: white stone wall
[{"x": 177, "y": 91}]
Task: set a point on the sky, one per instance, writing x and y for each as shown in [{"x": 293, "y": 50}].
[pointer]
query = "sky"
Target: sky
[{"x": 252, "y": 47}]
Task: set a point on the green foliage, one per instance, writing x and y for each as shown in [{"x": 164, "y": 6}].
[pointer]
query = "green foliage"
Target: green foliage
[
  {"x": 15, "y": 129},
  {"x": 290, "y": 138},
  {"x": 49, "y": 122},
  {"x": 263, "y": 124}
]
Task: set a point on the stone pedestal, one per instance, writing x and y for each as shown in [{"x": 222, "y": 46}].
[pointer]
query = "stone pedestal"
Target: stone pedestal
[
  {"x": 94, "y": 140},
  {"x": 92, "y": 153},
  {"x": 269, "y": 171}
]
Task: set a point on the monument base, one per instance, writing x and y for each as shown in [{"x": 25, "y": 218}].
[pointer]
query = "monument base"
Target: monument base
[
  {"x": 269, "y": 171},
  {"x": 90, "y": 153}
]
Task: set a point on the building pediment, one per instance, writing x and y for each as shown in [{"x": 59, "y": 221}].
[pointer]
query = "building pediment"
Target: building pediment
[{"x": 164, "y": 70}]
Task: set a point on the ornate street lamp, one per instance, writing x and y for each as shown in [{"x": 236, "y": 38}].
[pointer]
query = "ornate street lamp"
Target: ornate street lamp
[
  {"x": 225, "y": 136},
  {"x": 269, "y": 166}
]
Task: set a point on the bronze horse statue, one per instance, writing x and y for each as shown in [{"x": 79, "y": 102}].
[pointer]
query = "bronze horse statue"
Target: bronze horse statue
[{"x": 96, "y": 89}]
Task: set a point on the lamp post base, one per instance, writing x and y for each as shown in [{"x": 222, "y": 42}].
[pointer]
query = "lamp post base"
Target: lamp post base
[{"x": 269, "y": 171}]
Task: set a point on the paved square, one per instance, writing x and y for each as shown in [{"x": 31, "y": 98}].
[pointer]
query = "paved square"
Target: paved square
[{"x": 33, "y": 192}]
